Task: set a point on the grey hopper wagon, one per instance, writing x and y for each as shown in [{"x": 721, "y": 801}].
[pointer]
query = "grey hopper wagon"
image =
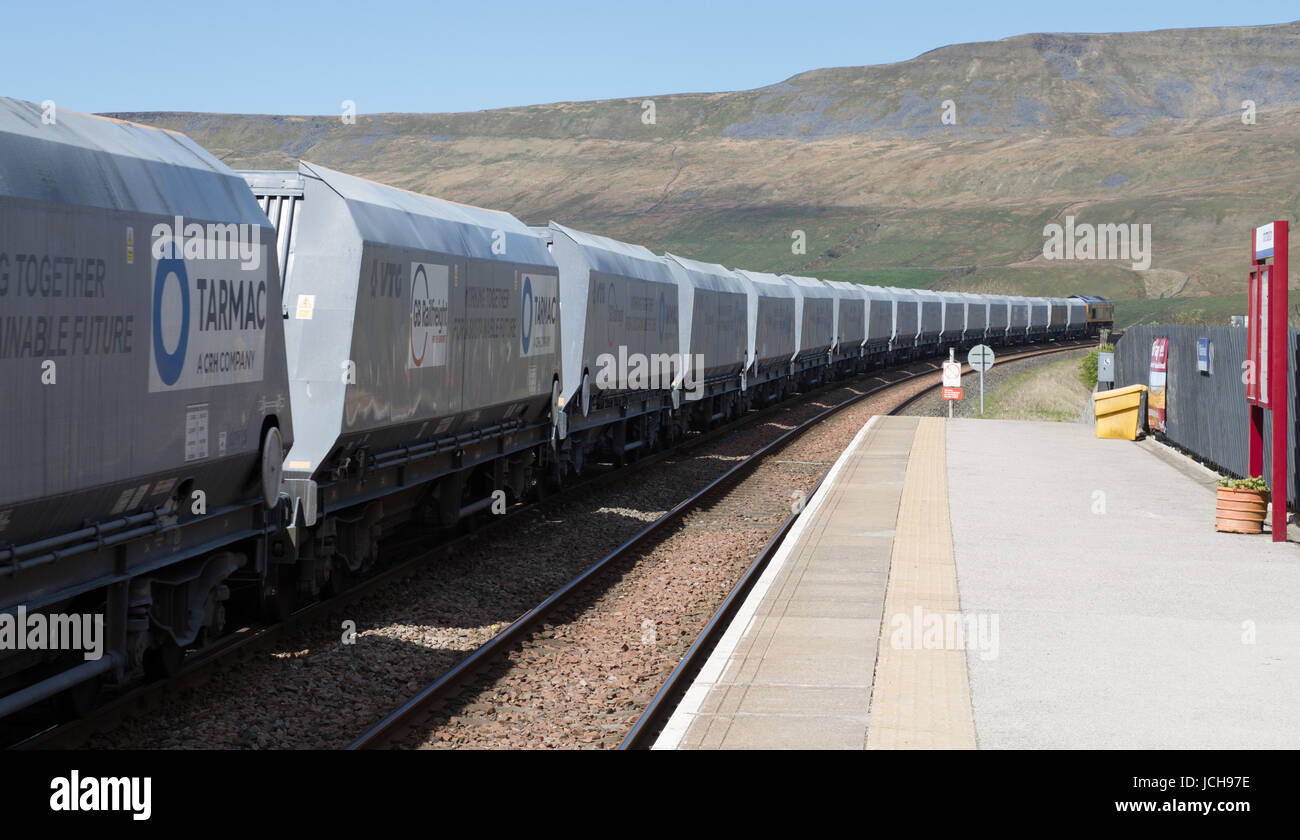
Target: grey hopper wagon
[
  {"x": 977, "y": 318},
  {"x": 1017, "y": 319},
  {"x": 772, "y": 342},
  {"x": 928, "y": 337},
  {"x": 881, "y": 318},
  {"x": 1040, "y": 317},
  {"x": 143, "y": 466},
  {"x": 954, "y": 319},
  {"x": 850, "y": 319},
  {"x": 907, "y": 322},
  {"x": 624, "y": 296},
  {"x": 620, "y": 318},
  {"x": 1076, "y": 317},
  {"x": 1059, "y": 315},
  {"x": 814, "y": 317},
  {"x": 423, "y": 345},
  {"x": 999, "y": 318},
  {"x": 814, "y": 327},
  {"x": 711, "y": 305}
]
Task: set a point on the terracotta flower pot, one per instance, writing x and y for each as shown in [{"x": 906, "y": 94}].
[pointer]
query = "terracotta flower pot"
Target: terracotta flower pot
[{"x": 1241, "y": 511}]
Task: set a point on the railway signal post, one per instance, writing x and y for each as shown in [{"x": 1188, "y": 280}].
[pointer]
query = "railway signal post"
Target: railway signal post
[{"x": 1266, "y": 385}]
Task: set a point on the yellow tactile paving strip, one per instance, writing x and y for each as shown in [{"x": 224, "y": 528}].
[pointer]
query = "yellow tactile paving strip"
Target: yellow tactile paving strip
[{"x": 921, "y": 697}]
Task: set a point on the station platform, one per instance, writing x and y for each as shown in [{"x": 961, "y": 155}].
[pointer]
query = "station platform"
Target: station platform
[{"x": 963, "y": 584}]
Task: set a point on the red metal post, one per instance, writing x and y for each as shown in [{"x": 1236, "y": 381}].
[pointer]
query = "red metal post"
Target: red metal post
[{"x": 1279, "y": 376}]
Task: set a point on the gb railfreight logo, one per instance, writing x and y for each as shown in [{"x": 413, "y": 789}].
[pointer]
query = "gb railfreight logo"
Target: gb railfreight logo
[
  {"x": 428, "y": 316},
  {"x": 540, "y": 312},
  {"x": 209, "y": 305}
]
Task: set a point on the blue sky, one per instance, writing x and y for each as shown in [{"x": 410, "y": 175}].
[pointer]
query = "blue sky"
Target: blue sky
[{"x": 285, "y": 57}]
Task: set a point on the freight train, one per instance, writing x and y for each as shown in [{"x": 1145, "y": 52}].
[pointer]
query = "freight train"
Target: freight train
[{"x": 221, "y": 388}]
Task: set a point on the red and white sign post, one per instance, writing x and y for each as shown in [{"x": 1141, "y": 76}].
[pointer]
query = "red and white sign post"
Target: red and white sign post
[
  {"x": 1267, "y": 370},
  {"x": 951, "y": 379}
]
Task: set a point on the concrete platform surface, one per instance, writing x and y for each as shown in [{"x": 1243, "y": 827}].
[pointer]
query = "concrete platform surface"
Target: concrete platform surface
[
  {"x": 1124, "y": 619},
  {"x": 1007, "y": 584}
]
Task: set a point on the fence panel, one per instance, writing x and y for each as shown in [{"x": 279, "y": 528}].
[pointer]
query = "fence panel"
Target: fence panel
[{"x": 1206, "y": 413}]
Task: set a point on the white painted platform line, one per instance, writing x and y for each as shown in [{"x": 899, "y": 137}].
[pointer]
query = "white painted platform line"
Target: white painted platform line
[{"x": 713, "y": 669}]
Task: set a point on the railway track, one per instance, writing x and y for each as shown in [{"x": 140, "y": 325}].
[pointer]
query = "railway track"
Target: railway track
[
  {"x": 202, "y": 668},
  {"x": 478, "y": 690}
]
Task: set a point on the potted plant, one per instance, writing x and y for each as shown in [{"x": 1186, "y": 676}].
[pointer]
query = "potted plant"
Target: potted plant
[{"x": 1242, "y": 505}]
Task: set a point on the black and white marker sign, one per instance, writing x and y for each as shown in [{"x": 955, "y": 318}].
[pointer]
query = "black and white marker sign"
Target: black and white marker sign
[{"x": 980, "y": 359}]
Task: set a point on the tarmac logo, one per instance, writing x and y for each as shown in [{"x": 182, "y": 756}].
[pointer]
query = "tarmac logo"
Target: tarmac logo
[
  {"x": 209, "y": 312},
  {"x": 944, "y": 630}
]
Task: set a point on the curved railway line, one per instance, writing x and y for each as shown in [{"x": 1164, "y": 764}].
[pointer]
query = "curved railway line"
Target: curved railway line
[
  {"x": 200, "y": 667},
  {"x": 249, "y": 643},
  {"x": 900, "y": 384}
]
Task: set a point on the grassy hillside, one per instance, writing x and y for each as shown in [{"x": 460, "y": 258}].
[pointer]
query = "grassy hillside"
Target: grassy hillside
[{"x": 1140, "y": 128}]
